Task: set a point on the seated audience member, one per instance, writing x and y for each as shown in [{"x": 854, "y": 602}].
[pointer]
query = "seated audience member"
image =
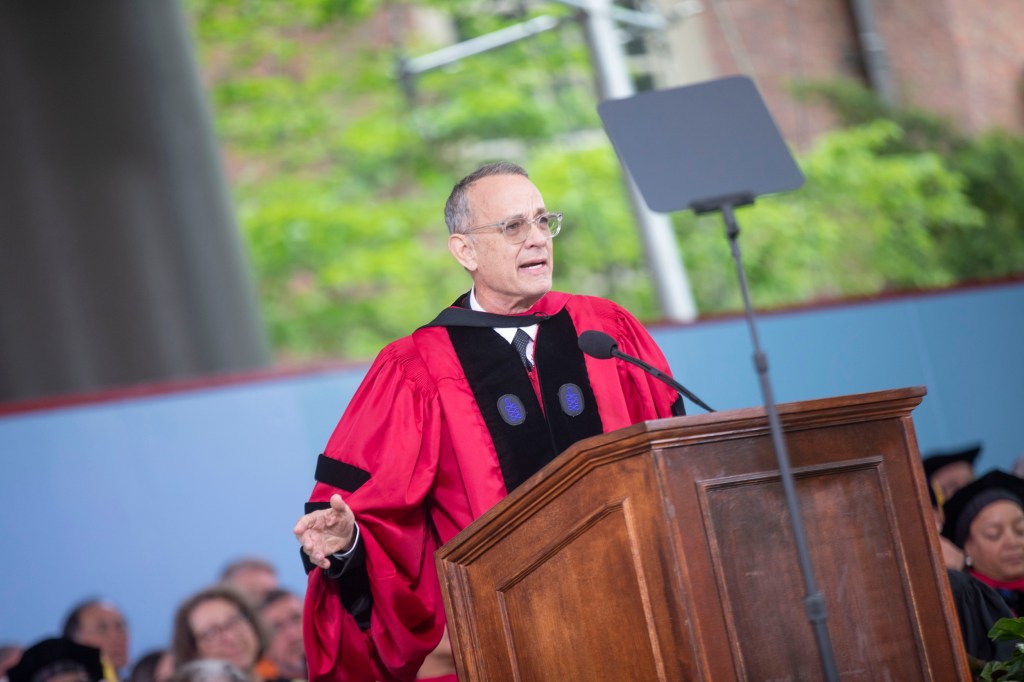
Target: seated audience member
[
  {"x": 985, "y": 519},
  {"x": 281, "y": 612},
  {"x": 100, "y": 624},
  {"x": 952, "y": 556},
  {"x": 255, "y": 577},
  {"x": 58, "y": 660},
  {"x": 219, "y": 623},
  {"x": 208, "y": 671},
  {"x": 155, "y": 666},
  {"x": 951, "y": 470},
  {"x": 10, "y": 654},
  {"x": 978, "y": 607}
]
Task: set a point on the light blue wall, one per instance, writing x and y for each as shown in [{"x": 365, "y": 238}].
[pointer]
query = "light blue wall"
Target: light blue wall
[
  {"x": 966, "y": 346},
  {"x": 144, "y": 500}
]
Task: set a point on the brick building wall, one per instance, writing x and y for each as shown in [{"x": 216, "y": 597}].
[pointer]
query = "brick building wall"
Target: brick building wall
[
  {"x": 989, "y": 35},
  {"x": 963, "y": 59},
  {"x": 775, "y": 43}
]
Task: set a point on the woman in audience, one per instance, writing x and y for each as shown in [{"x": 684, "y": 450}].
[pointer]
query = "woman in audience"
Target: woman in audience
[
  {"x": 218, "y": 623},
  {"x": 986, "y": 520}
]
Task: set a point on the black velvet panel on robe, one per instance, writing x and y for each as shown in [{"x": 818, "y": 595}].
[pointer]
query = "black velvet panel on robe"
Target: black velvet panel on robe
[{"x": 498, "y": 379}]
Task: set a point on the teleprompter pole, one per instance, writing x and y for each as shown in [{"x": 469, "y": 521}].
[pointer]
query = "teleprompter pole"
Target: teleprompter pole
[{"x": 814, "y": 602}]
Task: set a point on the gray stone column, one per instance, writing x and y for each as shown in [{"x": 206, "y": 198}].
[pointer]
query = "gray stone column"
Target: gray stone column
[{"x": 120, "y": 259}]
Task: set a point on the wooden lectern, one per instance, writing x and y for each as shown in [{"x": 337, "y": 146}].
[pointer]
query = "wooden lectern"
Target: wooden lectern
[{"x": 664, "y": 551}]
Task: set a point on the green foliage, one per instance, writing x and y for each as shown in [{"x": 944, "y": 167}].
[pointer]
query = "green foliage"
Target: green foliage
[
  {"x": 1007, "y": 630},
  {"x": 221, "y": 21},
  {"x": 340, "y": 180},
  {"x": 992, "y": 165},
  {"x": 337, "y": 274},
  {"x": 340, "y": 174},
  {"x": 863, "y": 223},
  {"x": 529, "y": 91}
]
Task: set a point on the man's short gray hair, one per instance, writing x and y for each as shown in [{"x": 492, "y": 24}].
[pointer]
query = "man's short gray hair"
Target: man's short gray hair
[{"x": 456, "y": 210}]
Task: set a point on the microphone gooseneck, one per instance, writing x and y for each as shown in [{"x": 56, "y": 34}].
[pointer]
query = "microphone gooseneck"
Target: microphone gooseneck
[{"x": 602, "y": 346}]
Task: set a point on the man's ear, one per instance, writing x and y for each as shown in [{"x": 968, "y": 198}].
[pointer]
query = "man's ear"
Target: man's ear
[{"x": 462, "y": 247}]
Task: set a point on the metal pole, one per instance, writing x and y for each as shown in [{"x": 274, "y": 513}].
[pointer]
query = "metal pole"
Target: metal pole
[
  {"x": 876, "y": 59},
  {"x": 663, "y": 257},
  {"x": 474, "y": 46},
  {"x": 121, "y": 262},
  {"x": 814, "y": 601}
]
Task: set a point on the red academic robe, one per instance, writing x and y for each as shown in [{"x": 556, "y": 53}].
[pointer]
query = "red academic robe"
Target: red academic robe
[{"x": 414, "y": 426}]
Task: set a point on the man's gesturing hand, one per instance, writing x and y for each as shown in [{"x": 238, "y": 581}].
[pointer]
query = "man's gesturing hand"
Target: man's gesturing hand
[{"x": 326, "y": 531}]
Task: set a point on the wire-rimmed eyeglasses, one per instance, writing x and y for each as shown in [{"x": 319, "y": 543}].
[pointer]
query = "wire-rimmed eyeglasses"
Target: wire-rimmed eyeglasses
[{"x": 515, "y": 230}]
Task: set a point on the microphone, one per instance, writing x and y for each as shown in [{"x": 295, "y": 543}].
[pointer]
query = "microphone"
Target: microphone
[{"x": 601, "y": 346}]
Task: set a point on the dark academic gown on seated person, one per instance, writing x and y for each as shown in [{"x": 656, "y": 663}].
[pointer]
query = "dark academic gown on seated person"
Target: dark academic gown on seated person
[
  {"x": 978, "y": 607},
  {"x": 422, "y": 451}
]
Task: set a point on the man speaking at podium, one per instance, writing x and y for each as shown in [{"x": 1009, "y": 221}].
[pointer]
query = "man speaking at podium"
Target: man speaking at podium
[{"x": 450, "y": 419}]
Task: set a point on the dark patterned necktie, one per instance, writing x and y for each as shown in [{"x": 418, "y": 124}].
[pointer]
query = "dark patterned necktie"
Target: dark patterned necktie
[{"x": 521, "y": 340}]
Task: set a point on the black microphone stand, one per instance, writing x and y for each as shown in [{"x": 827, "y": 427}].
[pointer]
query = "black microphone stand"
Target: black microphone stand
[
  {"x": 713, "y": 146},
  {"x": 814, "y": 602},
  {"x": 658, "y": 374}
]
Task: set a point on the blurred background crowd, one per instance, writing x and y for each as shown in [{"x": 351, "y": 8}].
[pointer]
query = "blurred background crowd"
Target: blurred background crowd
[
  {"x": 245, "y": 622},
  {"x": 243, "y": 627}
]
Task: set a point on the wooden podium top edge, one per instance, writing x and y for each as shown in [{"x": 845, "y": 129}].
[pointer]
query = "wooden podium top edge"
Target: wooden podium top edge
[
  {"x": 896, "y": 400},
  {"x": 631, "y": 440}
]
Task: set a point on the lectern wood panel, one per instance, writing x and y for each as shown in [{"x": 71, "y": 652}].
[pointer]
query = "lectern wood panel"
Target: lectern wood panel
[
  {"x": 589, "y": 550},
  {"x": 665, "y": 552},
  {"x": 869, "y": 531},
  {"x": 853, "y": 537},
  {"x": 586, "y": 566}
]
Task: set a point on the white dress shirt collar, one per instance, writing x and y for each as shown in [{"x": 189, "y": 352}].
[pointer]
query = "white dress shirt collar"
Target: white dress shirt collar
[{"x": 506, "y": 332}]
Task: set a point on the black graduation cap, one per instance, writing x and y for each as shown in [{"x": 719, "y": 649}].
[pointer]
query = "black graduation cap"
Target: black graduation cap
[
  {"x": 967, "y": 503},
  {"x": 936, "y": 460},
  {"x": 49, "y": 657}
]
